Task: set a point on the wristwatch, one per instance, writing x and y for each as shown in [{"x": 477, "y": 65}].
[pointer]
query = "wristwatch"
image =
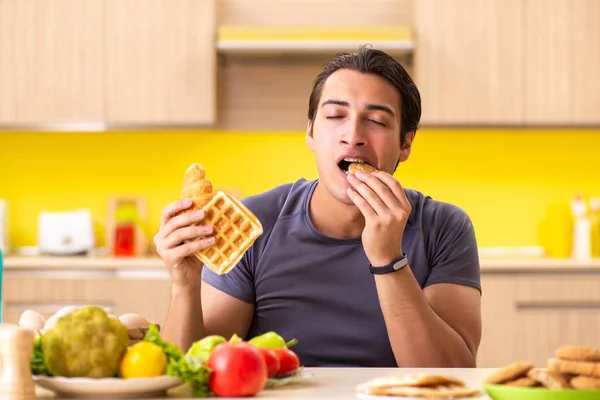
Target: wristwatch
[{"x": 395, "y": 265}]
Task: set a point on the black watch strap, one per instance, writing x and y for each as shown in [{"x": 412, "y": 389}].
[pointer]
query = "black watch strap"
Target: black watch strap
[{"x": 395, "y": 265}]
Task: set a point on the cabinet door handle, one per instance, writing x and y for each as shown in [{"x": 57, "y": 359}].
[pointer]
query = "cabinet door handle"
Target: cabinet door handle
[{"x": 566, "y": 305}]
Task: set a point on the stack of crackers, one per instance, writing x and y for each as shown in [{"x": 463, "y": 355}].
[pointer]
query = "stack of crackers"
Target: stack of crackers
[
  {"x": 418, "y": 385},
  {"x": 571, "y": 367}
]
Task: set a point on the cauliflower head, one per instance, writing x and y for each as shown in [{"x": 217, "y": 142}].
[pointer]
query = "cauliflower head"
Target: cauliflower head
[{"x": 85, "y": 343}]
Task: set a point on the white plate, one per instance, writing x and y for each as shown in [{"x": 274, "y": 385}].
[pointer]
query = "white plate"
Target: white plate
[
  {"x": 107, "y": 387},
  {"x": 299, "y": 375}
]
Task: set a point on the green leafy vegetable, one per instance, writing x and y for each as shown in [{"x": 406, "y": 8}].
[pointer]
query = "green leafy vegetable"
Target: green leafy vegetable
[
  {"x": 191, "y": 370},
  {"x": 37, "y": 361}
]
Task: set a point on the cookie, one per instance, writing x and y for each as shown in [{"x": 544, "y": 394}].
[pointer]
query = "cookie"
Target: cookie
[
  {"x": 363, "y": 167},
  {"x": 569, "y": 367},
  {"x": 522, "y": 382},
  {"x": 549, "y": 379},
  {"x": 585, "y": 382},
  {"x": 509, "y": 373},
  {"x": 579, "y": 353}
]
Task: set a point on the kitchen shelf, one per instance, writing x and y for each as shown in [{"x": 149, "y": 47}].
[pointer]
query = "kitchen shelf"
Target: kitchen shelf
[{"x": 257, "y": 40}]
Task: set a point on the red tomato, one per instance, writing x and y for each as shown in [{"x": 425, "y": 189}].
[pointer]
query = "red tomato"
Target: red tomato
[
  {"x": 238, "y": 369},
  {"x": 271, "y": 360},
  {"x": 288, "y": 360}
]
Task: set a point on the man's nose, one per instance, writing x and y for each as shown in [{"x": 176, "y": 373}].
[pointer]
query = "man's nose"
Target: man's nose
[{"x": 353, "y": 136}]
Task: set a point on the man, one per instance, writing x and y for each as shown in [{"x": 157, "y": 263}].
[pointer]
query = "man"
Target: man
[{"x": 359, "y": 270}]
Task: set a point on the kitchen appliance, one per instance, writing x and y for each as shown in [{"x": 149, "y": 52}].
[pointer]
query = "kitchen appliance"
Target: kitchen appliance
[{"x": 66, "y": 232}]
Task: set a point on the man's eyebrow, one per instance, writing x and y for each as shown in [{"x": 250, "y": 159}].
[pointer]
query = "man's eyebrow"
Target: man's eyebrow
[
  {"x": 377, "y": 107},
  {"x": 336, "y": 102}
]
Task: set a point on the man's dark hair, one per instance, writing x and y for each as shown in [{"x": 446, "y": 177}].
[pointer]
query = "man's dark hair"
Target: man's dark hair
[{"x": 372, "y": 61}]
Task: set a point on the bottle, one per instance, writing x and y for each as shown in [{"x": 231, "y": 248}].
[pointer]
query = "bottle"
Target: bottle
[{"x": 582, "y": 238}]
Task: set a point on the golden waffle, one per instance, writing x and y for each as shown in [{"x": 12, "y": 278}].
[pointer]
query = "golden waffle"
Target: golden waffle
[{"x": 235, "y": 228}]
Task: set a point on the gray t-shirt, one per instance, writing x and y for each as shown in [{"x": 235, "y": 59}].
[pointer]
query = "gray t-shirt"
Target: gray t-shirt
[{"x": 319, "y": 290}]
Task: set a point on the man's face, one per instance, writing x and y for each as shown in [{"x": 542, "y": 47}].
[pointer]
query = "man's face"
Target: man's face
[{"x": 358, "y": 117}]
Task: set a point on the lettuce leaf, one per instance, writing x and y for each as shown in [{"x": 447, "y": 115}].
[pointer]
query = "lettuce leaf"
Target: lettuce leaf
[
  {"x": 37, "y": 362},
  {"x": 191, "y": 370}
]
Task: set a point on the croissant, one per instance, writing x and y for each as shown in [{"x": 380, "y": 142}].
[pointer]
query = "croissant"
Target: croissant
[
  {"x": 235, "y": 227},
  {"x": 196, "y": 187}
]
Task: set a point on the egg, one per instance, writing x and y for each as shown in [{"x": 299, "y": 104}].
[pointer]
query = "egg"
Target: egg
[
  {"x": 134, "y": 321},
  {"x": 32, "y": 320}
]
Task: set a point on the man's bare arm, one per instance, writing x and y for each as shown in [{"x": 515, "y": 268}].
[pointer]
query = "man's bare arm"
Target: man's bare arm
[
  {"x": 439, "y": 326},
  {"x": 198, "y": 312}
]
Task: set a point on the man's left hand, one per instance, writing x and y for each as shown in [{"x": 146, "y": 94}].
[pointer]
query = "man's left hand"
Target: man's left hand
[{"x": 383, "y": 203}]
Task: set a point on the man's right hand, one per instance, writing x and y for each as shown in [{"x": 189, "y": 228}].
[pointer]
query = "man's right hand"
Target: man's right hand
[{"x": 183, "y": 266}]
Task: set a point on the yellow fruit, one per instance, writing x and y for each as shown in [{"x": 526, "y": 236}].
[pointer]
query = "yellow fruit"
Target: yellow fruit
[{"x": 143, "y": 360}]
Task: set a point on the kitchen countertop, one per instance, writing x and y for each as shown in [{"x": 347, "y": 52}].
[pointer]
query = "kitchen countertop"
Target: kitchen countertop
[
  {"x": 488, "y": 264},
  {"x": 340, "y": 383}
]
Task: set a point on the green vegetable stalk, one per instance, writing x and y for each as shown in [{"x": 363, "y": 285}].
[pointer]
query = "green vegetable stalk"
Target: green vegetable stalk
[
  {"x": 191, "y": 370},
  {"x": 37, "y": 362}
]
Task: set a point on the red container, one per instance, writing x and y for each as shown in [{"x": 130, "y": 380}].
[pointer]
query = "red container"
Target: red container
[{"x": 124, "y": 240}]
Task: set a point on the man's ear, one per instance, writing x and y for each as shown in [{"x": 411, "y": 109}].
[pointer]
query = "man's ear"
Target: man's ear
[
  {"x": 309, "y": 135},
  {"x": 406, "y": 146}
]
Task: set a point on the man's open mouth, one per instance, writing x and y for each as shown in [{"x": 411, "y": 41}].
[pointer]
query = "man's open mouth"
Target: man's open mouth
[{"x": 345, "y": 163}]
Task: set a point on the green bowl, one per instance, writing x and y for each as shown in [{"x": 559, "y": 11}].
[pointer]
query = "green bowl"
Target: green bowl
[{"x": 502, "y": 392}]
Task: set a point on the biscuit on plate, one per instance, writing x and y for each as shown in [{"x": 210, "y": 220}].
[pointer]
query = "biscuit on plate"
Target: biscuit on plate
[{"x": 509, "y": 372}]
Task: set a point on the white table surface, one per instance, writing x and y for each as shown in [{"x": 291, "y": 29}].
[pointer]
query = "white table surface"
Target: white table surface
[{"x": 340, "y": 383}]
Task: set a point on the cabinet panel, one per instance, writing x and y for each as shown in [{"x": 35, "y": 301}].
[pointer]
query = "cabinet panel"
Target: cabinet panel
[
  {"x": 52, "y": 68},
  {"x": 562, "y": 59},
  {"x": 161, "y": 62},
  {"x": 149, "y": 298},
  {"x": 527, "y": 316},
  {"x": 47, "y": 295},
  {"x": 468, "y": 61}
]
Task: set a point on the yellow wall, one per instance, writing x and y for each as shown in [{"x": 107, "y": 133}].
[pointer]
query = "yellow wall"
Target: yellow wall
[{"x": 505, "y": 179}]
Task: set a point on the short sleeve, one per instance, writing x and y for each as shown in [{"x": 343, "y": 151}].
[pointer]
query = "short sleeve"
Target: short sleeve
[
  {"x": 454, "y": 256},
  {"x": 239, "y": 282}
]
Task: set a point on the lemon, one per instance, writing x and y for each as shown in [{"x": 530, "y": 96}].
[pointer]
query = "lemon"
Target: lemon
[{"x": 143, "y": 360}]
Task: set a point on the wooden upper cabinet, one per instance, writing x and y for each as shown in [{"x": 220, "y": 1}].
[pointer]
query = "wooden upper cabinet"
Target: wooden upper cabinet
[
  {"x": 562, "y": 59},
  {"x": 52, "y": 61},
  {"x": 161, "y": 62},
  {"x": 468, "y": 61}
]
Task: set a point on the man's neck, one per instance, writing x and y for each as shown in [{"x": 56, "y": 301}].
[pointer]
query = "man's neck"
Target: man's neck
[{"x": 333, "y": 218}]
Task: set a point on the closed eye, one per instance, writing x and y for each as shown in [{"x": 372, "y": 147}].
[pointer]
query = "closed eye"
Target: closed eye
[
  {"x": 335, "y": 117},
  {"x": 377, "y": 122}
]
